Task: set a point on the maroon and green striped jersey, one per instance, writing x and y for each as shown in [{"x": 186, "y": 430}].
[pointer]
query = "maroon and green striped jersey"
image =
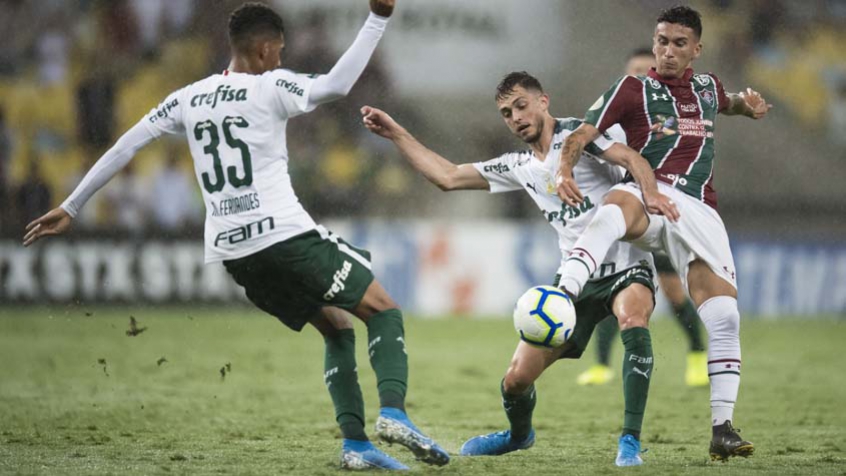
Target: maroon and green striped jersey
[{"x": 670, "y": 121}]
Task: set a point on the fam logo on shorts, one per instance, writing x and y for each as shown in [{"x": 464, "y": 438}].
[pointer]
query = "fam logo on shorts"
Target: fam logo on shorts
[{"x": 338, "y": 281}]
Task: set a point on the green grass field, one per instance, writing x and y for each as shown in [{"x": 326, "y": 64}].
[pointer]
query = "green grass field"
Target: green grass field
[{"x": 80, "y": 396}]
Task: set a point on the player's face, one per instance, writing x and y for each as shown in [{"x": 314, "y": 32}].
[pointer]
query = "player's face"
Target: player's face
[
  {"x": 675, "y": 47},
  {"x": 640, "y": 65},
  {"x": 523, "y": 112}
]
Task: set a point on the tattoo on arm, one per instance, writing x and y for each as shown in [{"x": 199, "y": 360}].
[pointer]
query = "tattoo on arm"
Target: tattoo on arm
[{"x": 573, "y": 148}]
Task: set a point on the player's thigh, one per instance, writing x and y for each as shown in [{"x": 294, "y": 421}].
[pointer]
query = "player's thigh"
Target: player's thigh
[
  {"x": 705, "y": 284},
  {"x": 700, "y": 237},
  {"x": 633, "y": 305},
  {"x": 637, "y": 221}
]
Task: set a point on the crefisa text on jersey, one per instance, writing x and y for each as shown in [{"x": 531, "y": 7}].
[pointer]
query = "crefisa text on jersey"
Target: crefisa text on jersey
[
  {"x": 164, "y": 110},
  {"x": 223, "y": 92},
  {"x": 290, "y": 86}
]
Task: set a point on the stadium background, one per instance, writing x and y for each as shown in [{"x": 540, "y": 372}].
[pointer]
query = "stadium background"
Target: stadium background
[
  {"x": 75, "y": 75},
  {"x": 205, "y": 383}
]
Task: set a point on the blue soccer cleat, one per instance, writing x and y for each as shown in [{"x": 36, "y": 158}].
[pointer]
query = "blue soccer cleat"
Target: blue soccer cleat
[
  {"x": 628, "y": 451},
  {"x": 393, "y": 426},
  {"x": 496, "y": 444},
  {"x": 357, "y": 455}
]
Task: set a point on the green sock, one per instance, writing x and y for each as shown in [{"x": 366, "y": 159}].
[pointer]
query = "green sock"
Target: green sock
[
  {"x": 605, "y": 332},
  {"x": 637, "y": 370},
  {"x": 386, "y": 346},
  {"x": 689, "y": 320},
  {"x": 518, "y": 409},
  {"x": 341, "y": 379}
]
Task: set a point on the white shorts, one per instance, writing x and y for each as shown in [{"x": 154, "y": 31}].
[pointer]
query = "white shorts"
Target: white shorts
[{"x": 699, "y": 233}]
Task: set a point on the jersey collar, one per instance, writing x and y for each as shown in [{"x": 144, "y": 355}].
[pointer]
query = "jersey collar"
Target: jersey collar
[{"x": 683, "y": 81}]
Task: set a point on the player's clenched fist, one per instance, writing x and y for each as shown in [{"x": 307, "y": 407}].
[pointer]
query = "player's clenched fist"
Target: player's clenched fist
[{"x": 383, "y": 8}]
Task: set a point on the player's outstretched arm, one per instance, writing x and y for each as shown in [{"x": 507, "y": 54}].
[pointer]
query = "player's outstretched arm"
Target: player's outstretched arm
[
  {"x": 656, "y": 202},
  {"x": 340, "y": 80},
  {"x": 749, "y": 103},
  {"x": 438, "y": 170},
  {"x": 58, "y": 220}
]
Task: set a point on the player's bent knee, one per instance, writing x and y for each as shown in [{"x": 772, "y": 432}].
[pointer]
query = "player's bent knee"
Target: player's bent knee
[
  {"x": 721, "y": 317},
  {"x": 630, "y": 321}
]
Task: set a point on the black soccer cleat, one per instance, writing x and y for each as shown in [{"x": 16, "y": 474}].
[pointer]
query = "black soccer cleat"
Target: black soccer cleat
[{"x": 726, "y": 442}]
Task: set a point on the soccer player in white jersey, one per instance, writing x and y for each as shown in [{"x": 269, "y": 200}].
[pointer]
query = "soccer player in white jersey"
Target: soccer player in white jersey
[
  {"x": 289, "y": 266},
  {"x": 622, "y": 286}
]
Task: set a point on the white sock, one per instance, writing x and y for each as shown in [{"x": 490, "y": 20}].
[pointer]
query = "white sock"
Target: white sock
[
  {"x": 608, "y": 226},
  {"x": 722, "y": 321}
]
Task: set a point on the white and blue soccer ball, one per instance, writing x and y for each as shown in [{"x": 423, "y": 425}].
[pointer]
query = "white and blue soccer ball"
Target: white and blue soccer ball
[{"x": 544, "y": 317}]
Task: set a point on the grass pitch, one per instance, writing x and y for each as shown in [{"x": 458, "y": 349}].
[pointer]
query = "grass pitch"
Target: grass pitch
[{"x": 232, "y": 391}]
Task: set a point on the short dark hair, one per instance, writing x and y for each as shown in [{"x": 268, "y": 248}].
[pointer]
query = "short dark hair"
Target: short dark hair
[
  {"x": 250, "y": 20},
  {"x": 684, "y": 16},
  {"x": 517, "y": 78},
  {"x": 641, "y": 52}
]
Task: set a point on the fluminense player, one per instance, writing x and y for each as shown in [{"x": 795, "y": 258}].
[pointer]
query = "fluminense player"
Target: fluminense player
[
  {"x": 622, "y": 284},
  {"x": 639, "y": 63},
  {"x": 669, "y": 117},
  {"x": 290, "y": 267}
]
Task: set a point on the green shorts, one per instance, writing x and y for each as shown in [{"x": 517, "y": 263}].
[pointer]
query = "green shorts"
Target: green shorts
[
  {"x": 294, "y": 278},
  {"x": 594, "y": 304}
]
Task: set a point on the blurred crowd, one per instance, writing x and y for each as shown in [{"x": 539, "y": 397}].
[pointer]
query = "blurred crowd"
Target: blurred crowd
[
  {"x": 75, "y": 75},
  {"x": 796, "y": 51}
]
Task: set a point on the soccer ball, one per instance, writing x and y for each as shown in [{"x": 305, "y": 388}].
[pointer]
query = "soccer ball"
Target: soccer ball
[{"x": 544, "y": 316}]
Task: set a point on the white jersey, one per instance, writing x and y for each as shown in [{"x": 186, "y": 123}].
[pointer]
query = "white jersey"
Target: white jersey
[
  {"x": 235, "y": 126},
  {"x": 595, "y": 177}
]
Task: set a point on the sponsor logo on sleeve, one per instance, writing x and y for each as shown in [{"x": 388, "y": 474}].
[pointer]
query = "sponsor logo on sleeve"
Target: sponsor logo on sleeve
[
  {"x": 290, "y": 86},
  {"x": 163, "y": 111},
  {"x": 497, "y": 168}
]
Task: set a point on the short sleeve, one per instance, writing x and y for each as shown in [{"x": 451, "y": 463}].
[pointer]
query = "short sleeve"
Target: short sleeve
[
  {"x": 500, "y": 173},
  {"x": 290, "y": 91},
  {"x": 613, "y": 106},
  {"x": 723, "y": 100},
  {"x": 166, "y": 118},
  {"x": 613, "y": 135}
]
